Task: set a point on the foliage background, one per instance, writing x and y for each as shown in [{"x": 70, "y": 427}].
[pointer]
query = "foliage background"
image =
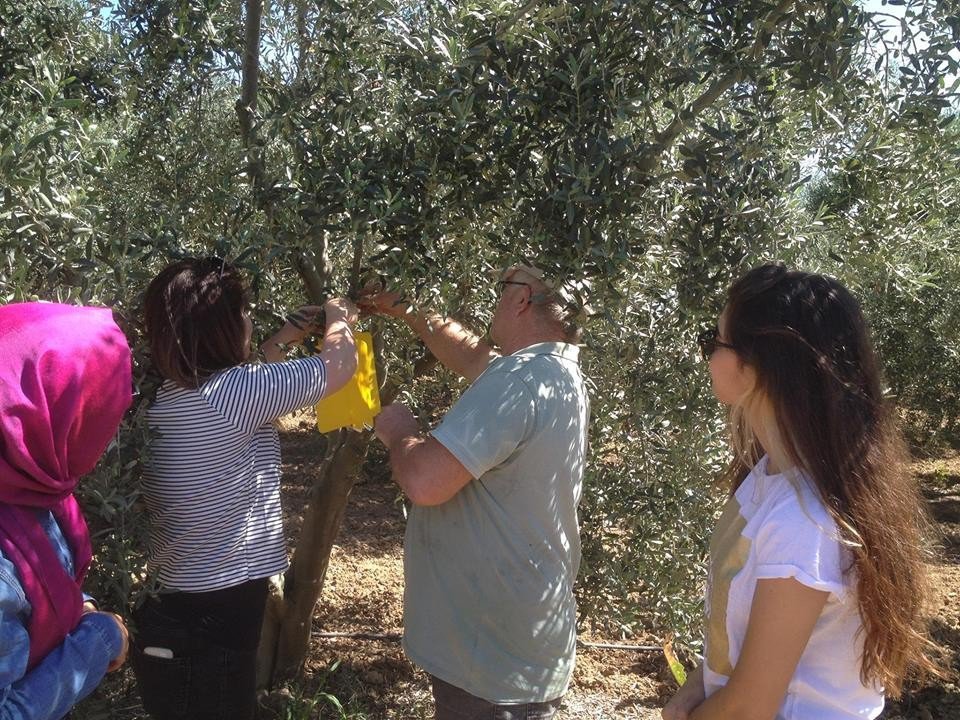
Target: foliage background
[{"x": 651, "y": 151}]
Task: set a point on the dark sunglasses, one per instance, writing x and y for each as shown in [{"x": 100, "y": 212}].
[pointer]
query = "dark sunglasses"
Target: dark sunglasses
[{"x": 707, "y": 340}]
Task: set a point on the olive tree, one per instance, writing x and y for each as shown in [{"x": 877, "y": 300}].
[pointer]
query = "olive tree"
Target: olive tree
[{"x": 646, "y": 152}]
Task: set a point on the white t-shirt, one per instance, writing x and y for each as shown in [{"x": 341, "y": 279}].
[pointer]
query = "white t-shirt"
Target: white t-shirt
[{"x": 776, "y": 526}]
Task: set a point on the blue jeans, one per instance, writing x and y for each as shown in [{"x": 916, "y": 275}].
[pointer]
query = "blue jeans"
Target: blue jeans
[
  {"x": 452, "y": 703},
  {"x": 194, "y": 654}
]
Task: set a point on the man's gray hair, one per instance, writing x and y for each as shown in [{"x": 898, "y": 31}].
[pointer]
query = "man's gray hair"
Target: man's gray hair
[{"x": 561, "y": 304}]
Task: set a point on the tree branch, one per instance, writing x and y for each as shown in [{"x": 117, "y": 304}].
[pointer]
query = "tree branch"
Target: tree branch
[
  {"x": 515, "y": 18},
  {"x": 664, "y": 140},
  {"x": 304, "y": 37},
  {"x": 357, "y": 263},
  {"x": 317, "y": 280},
  {"x": 247, "y": 104}
]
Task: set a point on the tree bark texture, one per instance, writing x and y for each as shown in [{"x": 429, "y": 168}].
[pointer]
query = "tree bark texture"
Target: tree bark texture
[
  {"x": 286, "y": 634},
  {"x": 247, "y": 104}
]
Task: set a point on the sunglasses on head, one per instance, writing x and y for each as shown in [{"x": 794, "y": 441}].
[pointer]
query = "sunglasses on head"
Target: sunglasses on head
[
  {"x": 500, "y": 284},
  {"x": 708, "y": 343}
]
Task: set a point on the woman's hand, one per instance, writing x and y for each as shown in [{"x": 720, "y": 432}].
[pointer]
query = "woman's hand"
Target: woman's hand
[
  {"x": 303, "y": 321},
  {"x": 339, "y": 308},
  {"x": 121, "y": 658},
  {"x": 300, "y": 323},
  {"x": 687, "y": 698}
]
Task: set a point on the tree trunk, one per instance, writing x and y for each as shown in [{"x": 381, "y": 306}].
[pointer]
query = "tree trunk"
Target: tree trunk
[
  {"x": 286, "y": 632},
  {"x": 250, "y": 82},
  {"x": 285, "y": 635}
]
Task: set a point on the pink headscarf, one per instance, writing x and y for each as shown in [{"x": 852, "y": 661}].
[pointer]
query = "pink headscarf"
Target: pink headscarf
[{"x": 65, "y": 382}]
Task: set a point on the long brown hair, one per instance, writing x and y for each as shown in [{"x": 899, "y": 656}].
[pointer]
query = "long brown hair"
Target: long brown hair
[
  {"x": 806, "y": 338},
  {"x": 194, "y": 316}
]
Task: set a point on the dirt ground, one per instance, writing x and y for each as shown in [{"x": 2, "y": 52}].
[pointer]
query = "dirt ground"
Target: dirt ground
[
  {"x": 370, "y": 679},
  {"x": 364, "y": 591}
]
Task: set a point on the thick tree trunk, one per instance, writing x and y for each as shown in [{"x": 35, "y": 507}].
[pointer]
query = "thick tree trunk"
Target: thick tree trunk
[
  {"x": 285, "y": 637},
  {"x": 286, "y": 633}
]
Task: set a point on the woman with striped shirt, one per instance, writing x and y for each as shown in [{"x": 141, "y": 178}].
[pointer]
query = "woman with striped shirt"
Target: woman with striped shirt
[{"x": 212, "y": 482}]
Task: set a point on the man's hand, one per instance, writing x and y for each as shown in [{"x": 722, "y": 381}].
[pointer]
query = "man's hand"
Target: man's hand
[
  {"x": 426, "y": 471},
  {"x": 395, "y": 422},
  {"x": 457, "y": 348}
]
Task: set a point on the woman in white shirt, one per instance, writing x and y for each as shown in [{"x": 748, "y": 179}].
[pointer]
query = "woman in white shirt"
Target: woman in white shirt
[
  {"x": 212, "y": 482},
  {"x": 816, "y": 585}
]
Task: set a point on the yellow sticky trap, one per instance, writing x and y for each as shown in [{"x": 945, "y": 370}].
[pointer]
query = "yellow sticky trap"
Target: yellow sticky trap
[{"x": 357, "y": 403}]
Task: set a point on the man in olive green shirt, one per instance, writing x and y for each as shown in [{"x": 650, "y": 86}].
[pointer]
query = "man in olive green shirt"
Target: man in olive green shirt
[{"x": 492, "y": 545}]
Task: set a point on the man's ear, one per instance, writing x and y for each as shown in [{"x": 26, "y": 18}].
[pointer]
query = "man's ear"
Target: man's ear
[{"x": 524, "y": 300}]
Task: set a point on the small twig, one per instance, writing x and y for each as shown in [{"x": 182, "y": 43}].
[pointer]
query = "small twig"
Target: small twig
[
  {"x": 396, "y": 636},
  {"x": 620, "y": 646},
  {"x": 393, "y": 637}
]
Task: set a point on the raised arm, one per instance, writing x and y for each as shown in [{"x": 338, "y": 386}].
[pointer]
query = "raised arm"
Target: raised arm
[
  {"x": 339, "y": 349},
  {"x": 339, "y": 352},
  {"x": 456, "y": 347}
]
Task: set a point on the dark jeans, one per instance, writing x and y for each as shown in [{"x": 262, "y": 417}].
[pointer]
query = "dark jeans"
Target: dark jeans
[
  {"x": 213, "y": 640},
  {"x": 452, "y": 703}
]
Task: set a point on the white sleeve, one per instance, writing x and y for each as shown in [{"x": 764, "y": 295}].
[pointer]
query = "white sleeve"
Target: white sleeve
[{"x": 803, "y": 544}]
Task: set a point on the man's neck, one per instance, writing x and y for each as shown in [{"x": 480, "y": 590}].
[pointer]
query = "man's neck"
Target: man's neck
[{"x": 512, "y": 345}]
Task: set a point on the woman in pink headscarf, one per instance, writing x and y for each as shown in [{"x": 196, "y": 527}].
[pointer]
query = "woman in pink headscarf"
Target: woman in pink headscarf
[{"x": 64, "y": 386}]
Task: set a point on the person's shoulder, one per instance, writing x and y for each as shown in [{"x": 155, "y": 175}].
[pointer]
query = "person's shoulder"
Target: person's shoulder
[
  {"x": 540, "y": 359},
  {"x": 231, "y": 378},
  {"x": 795, "y": 536},
  {"x": 792, "y": 501},
  {"x": 503, "y": 374},
  {"x": 170, "y": 401}
]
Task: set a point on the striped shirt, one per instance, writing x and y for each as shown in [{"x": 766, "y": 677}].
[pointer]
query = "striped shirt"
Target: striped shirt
[{"x": 212, "y": 478}]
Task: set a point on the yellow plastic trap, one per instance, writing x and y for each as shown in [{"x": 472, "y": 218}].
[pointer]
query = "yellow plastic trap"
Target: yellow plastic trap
[{"x": 357, "y": 403}]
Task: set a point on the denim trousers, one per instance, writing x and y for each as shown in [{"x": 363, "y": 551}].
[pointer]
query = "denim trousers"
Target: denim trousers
[
  {"x": 452, "y": 703},
  {"x": 194, "y": 654}
]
